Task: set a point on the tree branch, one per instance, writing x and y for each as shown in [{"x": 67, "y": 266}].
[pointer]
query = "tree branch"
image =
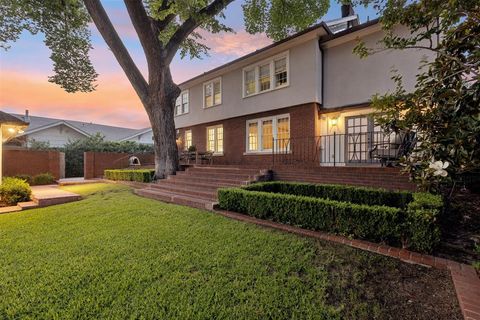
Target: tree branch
[
  {"x": 110, "y": 35},
  {"x": 143, "y": 26},
  {"x": 191, "y": 24}
]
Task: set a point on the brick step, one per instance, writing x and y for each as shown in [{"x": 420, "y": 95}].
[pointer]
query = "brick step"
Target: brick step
[
  {"x": 341, "y": 172},
  {"x": 219, "y": 175},
  {"x": 208, "y": 179},
  {"x": 172, "y": 197},
  {"x": 199, "y": 183},
  {"x": 339, "y": 178},
  {"x": 222, "y": 170},
  {"x": 186, "y": 190}
]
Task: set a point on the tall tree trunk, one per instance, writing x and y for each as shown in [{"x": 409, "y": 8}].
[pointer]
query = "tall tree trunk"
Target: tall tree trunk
[{"x": 160, "y": 108}]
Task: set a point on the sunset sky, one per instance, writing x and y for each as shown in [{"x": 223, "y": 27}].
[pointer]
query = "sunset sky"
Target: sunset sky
[{"x": 24, "y": 69}]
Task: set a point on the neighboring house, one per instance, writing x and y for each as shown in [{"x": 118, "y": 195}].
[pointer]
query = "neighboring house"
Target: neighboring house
[
  {"x": 58, "y": 132},
  {"x": 305, "y": 98}
]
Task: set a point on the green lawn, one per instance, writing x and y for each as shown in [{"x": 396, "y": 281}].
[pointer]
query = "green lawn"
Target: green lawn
[{"x": 116, "y": 256}]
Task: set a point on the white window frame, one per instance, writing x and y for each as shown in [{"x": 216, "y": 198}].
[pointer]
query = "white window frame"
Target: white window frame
[
  {"x": 219, "y": 79},
  {"x": 259, "y": 122},
  {"x": 185, "y": 139},
  {"x": 256, "y": 67},
  {"x": 215, "y": 152},
  {"x": 181, "y": 103}
]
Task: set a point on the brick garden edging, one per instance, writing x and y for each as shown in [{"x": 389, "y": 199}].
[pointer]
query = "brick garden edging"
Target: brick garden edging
[{"x": 464, "y": 277}]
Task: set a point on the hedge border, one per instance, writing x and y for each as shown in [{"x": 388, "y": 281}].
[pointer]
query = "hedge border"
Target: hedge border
[
  {"x": 413, "y": 226},
  {"x": 137, "y": 175}
]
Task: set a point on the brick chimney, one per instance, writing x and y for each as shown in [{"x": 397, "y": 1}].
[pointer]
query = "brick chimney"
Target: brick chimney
[{"x": 26, "y": 118}]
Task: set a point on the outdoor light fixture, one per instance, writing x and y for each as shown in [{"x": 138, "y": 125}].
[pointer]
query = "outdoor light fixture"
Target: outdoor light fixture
[
  {"x": 333, "y": 122},
  {"x": 9, "y": 127}
]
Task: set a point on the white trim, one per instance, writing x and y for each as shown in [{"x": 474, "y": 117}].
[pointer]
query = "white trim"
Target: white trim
[
  {"x": 219, "y": 79},
  {"x": 135, "y": 135},
  {"x": 52, "y": 125},
  {"x": 271, "y": 61},
  {"x": 259, "y": 122}
]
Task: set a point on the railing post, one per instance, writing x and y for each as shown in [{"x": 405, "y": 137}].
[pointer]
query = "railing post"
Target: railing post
[
  {"x": 273, "y": 152},
  {"x": 334, "y": 149}
]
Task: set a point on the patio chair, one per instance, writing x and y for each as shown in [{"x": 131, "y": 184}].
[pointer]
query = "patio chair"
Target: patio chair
[
  {"x": 389, "y": 153},
  {"x": 204, "y": 157},
  {"x": 188, "y": 156}
]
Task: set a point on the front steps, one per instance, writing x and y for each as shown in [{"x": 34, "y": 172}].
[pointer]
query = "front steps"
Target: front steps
[{"x": 197, "y": 186}]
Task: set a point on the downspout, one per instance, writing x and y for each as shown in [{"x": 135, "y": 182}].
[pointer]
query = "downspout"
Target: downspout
[{"x": 322, "y": 73}]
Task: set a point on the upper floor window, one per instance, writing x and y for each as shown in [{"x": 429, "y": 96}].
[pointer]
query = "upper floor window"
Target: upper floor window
[
  {"x": 266, "y": 75},
  {"x": 212, "y": 93},
  {"x": 182, "y": 105}
]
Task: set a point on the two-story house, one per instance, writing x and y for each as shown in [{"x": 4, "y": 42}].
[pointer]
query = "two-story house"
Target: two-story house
[{"x": 304, "y": 99}]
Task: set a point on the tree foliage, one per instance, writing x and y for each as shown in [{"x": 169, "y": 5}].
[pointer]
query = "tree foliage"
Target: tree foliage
[
  {"x": 64, "y": 23},
  {"x": 444, "y": 107}
]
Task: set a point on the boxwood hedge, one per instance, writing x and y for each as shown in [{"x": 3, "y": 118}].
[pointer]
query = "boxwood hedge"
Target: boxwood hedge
[
  {"x": 409, "y": 220},
  {"x": 138, "y": 175}
]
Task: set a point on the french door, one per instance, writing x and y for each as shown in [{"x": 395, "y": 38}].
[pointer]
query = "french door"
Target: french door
[{"x": 361, "y": 134}]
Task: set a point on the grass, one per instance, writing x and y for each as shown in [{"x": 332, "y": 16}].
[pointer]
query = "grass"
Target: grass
[{"x": 116, "y": 256}]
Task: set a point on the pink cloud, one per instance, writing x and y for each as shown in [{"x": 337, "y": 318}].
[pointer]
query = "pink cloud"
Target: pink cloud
[
  {"x": 113, "y": 103},
  {"x": 236, "y": 44}
]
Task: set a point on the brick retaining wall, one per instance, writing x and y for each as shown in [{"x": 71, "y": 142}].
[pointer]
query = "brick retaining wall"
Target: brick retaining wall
[
  {"x": 32, "y": 162},
  {"x": 95, "y": 163}
]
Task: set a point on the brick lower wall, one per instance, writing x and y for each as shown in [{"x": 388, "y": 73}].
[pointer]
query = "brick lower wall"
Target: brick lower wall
[
  {"x": 302, "y": 124},
  {"x": 30, "y": 162},
  {"x": 94, "y": 163},
  {"x": 388, "y": 178}
]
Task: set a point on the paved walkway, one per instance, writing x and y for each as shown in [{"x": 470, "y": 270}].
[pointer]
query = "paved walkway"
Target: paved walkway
[{"x": 43, "y": 196}]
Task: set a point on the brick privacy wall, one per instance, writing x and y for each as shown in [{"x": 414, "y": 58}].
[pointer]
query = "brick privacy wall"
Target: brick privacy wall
[
  {"x": 17, "y": 162},
  {"x": 95, "y": 163},
  {"x": 302, "y": 124}
]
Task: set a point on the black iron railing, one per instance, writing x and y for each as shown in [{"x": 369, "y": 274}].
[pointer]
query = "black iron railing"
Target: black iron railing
[{"x": 350, "y": 148}]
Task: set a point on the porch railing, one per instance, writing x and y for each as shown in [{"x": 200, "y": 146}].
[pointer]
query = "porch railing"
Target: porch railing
[{"x": 340, "y": 149}]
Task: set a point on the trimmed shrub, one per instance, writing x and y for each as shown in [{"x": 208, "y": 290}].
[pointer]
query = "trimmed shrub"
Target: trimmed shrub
[
  {"x": 139, "y": 175},
  {"x": 25, "y": 177},
  {"x": 359, "y": 195},
  {"x": 376, "y": 223},
  {"x": 13, "y": 190},
  {"x": 42, "y": 179},
  {"x": 412, "y": 223},
  {"x": 421, "y": 230}
]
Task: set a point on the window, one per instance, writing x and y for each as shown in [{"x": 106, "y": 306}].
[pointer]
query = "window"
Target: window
[
  {"x": 267, "y": 75},
  {"x": 215, "y": 139},
  {"x": 249, "y": 82},
  {"x": 264, "y": 78},
  {"x": 212, "y": 93},
  {"x": 253, "y": 136},
  {"x": 281, "y": 75},
  {"x": 188, "y": 139},
  {"x": 266, "y": 134},
  {"x": 181, "y": 104}
]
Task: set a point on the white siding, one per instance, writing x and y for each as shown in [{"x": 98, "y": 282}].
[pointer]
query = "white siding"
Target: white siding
[
  {"x": 303, "y": 88},
  {"x": 57, "y": 136}
]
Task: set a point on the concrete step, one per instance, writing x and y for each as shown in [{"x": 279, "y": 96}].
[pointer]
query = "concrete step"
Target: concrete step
[
  {"x": 186, "y": 190},
  {"x": 27, "y": 205},
  {"x": 176, "y": 198}
]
